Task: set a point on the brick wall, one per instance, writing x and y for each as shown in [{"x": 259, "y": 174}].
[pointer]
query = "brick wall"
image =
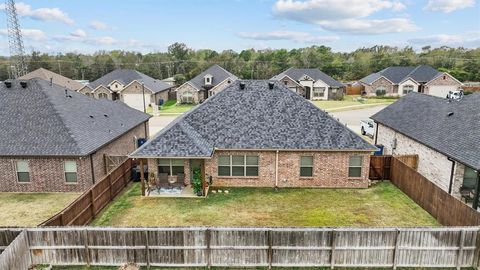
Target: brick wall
[
  {"x": 330, "y": 170},
  {"x": 293, "y": 85},
  {"x": 390, "y": 89},
  {"x": 219, "y": 87},
  {"x": 441, "y": 80},
  {"x": 47, "y": 174},
  {"x": 187, "y": 87}
]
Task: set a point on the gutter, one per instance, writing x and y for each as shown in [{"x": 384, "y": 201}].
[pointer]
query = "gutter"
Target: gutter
[
  {"x": 376, "y": 133},
  {"x": 451, "y": 175},
  {"x": 91, "y": 167}
]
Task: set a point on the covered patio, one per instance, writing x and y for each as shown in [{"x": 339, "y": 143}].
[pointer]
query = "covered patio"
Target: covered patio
[{"x": 167, "y": 177}]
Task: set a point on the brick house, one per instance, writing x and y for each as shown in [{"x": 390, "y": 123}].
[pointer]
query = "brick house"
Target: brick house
[
  {"x": 56, "y": 139},
  {"x": 131, "y": 87},
  {"x": 45, "y": 74},
  {"x": 445, "y": 136},
  {"x": 401, "y": 80},
  {"x": 206, "y": 84},
  {"x": 311, "y": 83},
  {"x": 259, "y": 133}
]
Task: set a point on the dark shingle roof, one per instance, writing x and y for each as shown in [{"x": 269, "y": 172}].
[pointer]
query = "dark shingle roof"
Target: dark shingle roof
[
  {"x": 397, "y": 74},
  {"x": 253, "y": 118},
  {"x": 126, "y": 76},
  {"x": 41, "y": 120},
  {"x": 425, "y": 119},
  {"x": 314, "y": 73},
  {"x": 219, "y": 75}
]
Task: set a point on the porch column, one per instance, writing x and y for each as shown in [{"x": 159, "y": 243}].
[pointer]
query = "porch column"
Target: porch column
[
  {"x": 477, "y": 190},
  {"x": 142, "y": 177}
]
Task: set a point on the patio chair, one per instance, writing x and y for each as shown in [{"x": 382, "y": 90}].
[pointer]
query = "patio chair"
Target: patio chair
[
  {"x": 151, "y": 183},
  {"x": 163, "y": 180},
  {"x": 467, "y": 194}
]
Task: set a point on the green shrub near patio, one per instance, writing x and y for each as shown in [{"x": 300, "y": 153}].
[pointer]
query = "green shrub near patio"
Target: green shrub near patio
[{"x": 382, "y": 205}]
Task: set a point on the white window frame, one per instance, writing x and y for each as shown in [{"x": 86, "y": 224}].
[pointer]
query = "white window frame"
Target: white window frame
[
  {"x": 17, "y": 171},
  {"x": 381, "y": 88},
  {"x": 351, "y": 166},
  {"x": 300, "y": 171},
  {"x": 412, "y": 88},
  {"x": 187, "y": 97},
  {"x": 316, "y": 91},
  {"x": 102, "y": 96},
  {"x": 170, "y": 165},
  {"x": 245, "y": 166},
  {"x": 65, "y": 171}
]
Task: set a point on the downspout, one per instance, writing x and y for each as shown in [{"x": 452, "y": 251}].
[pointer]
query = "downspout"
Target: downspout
[
  {"x": 276, "y": 169},
  {"x": 451, "y": 175},
  {"x": 91, "y": 167},
  {"x": 477, "y": 190},
  {"x": 376, "y": 133}
]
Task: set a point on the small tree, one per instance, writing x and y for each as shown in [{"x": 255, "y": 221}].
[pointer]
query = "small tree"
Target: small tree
[{"x": 197, "y": 181}]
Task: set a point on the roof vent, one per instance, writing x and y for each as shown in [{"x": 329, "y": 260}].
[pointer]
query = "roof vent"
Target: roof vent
[
  {"x": 8, "y": 84},
  {"x": 106, "y": 115},
  {"x": 23, "y": 84},
  {"x": 67, "y": 95},
  {"x": 449, "y": 114},
  {"x": 91, "y": 116},
  {"x": 242, "y": 85},
  {"x": 270, "y": 85}
]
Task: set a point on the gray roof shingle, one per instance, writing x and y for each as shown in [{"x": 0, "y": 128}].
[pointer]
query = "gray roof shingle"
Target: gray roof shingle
[
  {"x": 397, "y": 74},
  {"x": 253, "y": 118},
  {"x": 43, "y": 121},
  {"x": 314, "y": 73},
  {"x": 425, "y": 119},
  {"x": 126, "y": 76},
  {"x": 219, "y": 75}
]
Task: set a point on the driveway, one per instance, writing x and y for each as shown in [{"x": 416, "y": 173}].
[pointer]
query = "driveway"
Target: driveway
[
  {"x": 352, "y": 118},
  {"x": 157, "y": 123}
]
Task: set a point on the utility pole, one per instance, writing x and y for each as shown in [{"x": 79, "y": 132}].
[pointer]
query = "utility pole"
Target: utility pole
[{"x": 15, "y": 41}]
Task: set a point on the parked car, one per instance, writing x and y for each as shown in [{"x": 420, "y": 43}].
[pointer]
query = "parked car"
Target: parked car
[
  {"x": 455, "y": 95},
  {"x": 367, "y": 127}
]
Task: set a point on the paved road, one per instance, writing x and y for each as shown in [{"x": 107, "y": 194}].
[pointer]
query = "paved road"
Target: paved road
[{"x": 350, "y": 118}]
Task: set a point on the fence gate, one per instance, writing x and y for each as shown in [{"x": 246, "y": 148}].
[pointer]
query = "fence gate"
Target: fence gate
[{"x": 380, "y": 167}]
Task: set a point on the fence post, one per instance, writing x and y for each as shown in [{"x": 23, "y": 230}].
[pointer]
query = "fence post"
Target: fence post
[
  {"x": 61, "y": 219},
  {"x": 110, "y": 186},
  {"x": 147, "y": 249},
  {"x": 270, "y": 249},
  {"x": 332, "y": 253},
  {"x": 395, "y": 250},
  {"x": 27, "y": 240},
  {"x": 92, "y": 202},
  {"x": 208, "y": 250},
  {"x": 461, "y": 242},
  {"x": 87, "y": 251}
]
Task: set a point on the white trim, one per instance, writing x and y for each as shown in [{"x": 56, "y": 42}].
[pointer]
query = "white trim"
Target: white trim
[
  {"x": 295, "y": 81},
  {"x": 102, "y": 86},
  {"x": 125, "y": 87},
  {"x": 444, "y": 73},
  {"x": 408, "y": 78},
  {"x": 379, "y": 79},
  {"x": 216, "y": 86},
  {"x": 189, "y": 83}
]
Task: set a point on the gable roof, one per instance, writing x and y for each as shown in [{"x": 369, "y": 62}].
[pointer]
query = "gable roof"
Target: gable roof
[
  {"x": 219, "y": 75},
  {"x": 43, "y": 121},
  {"x": 256, "y": 118},
  {"x": 314, "y": 73},
  {"x": 397, "y": 74},
  {"x": 126, "y": 76},
  {"x": 425, "y": 119},
  {"x": 58, "y": 79}
]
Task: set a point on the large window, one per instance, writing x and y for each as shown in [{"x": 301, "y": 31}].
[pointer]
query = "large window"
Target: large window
[
  {"x": 407, "y": 89},
  {"x": 380, "y": 91},
  {"x": 469, "y": 178},
  {"x": 355, "y": 166},
  {"x": 70, "y": 168},
  {"x": 170, "y": 166},
  {"x": 318, "y": 92},
  {"x": 306, "y": 166},
  {"x": 23, "y": 171},
  {"x": 187, "y": 97},
  {"x": 238, "y": 165}
]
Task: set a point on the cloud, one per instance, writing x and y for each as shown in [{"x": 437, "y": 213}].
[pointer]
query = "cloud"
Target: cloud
[
  {"x": 79, "y": 33},
  {"x": 41, "y": 14},
  {"x": 345, "y": 16},
  {"x": 468, "y": 39},
  {"x": 370, "y": 27},
  {"x": 448, "y": 6},
  {"x": 98, "y": 25},
  {"x": 287, "y": 35},
  {"x": 31, "y": 34}
]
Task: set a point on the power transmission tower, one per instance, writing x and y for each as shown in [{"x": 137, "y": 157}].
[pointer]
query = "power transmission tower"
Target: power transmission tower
[{"x": 15, "y": 41}]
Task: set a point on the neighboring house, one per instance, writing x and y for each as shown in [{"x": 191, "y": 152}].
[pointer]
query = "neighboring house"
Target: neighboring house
[
  {"x": 55, "y": 140},
  {"x": 206, "y": 84},
  {"x": 444, "y": 134},
  {"x": 261, "y": 134},
  {"x": 170, "y": 80},
  {"x": 401, "y": 80},
  {"x": 53, "y": 77},
  {"x": 133, "y": 88},
  {"x": 311, "y": 83}
]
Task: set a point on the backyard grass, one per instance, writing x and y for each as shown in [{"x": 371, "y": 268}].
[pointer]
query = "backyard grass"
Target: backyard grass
[
  {"x": 231, "y": 268},
  {"x": 31, "y": 209},
  {"x": 352, "y": 102},
  {"x": 382, "y": 205},
  {"x": 171, "y": 107}
]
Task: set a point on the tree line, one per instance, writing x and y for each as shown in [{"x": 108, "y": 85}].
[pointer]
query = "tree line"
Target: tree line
[{"x": 184, "y": 63}]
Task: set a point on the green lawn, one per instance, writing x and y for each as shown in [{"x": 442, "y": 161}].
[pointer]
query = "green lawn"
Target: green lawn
[
  {"x": 171, "y": 107},
  {"x": 378, "y": 206},
  {"x": 231, "y": 268},
  {"x": 31, "y": 209},
  {"x": 353, "y": 102}
]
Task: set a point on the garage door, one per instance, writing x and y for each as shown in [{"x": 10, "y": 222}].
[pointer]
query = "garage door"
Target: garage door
[
  {"x": 136, "y": 100},
  {"x": 441, "y": 90}
]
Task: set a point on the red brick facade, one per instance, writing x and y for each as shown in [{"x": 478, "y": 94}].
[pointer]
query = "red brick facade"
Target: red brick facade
[{"x": 47, "y": 174}]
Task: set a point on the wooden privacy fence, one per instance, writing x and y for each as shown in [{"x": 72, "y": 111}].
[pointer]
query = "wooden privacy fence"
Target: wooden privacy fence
[
  {"x": 253, "y": 247},
  {"x": 380, "y": 166},
  {"x": 91, "y": 202},
  {"x": 448, "y": 210},
  {"x": 16, "y": 255}
]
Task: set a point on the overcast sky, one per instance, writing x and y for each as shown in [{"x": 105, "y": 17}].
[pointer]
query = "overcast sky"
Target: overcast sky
[{"x": 148, "y": 25}]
